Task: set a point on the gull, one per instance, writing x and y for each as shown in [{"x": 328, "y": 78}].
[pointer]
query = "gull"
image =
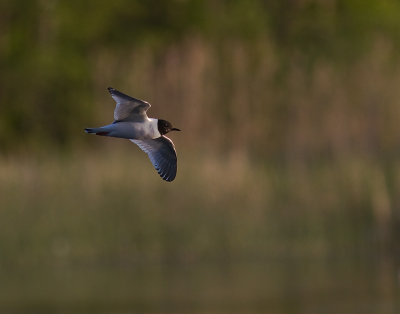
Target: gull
[{"x": 131, "y": 122}]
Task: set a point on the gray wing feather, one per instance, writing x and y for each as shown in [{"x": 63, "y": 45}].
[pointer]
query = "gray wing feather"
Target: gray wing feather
[
  {"x": 128, "y": 108},
  {"x": 162, "y": 154}
]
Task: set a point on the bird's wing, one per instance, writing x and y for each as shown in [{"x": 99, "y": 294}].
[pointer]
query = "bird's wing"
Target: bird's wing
[
  {"x": 128, "y": 108},
  {"x": 162, "y": 154}
]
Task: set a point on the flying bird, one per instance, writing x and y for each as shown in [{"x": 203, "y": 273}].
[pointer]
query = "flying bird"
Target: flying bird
[{"x": 131, "y": 122}]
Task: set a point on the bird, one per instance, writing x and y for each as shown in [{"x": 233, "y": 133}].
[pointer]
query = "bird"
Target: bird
[{"x": 131, "y": 122}]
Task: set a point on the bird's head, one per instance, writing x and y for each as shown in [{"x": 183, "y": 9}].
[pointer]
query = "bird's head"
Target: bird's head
[{"x": 164, "y": 127}]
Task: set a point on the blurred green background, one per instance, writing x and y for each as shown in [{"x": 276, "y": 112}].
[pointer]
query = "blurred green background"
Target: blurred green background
[{"x": 287, "y": 198}]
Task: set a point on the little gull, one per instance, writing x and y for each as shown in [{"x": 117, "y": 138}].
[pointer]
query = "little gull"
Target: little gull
[{"x": 131, "y": 122}]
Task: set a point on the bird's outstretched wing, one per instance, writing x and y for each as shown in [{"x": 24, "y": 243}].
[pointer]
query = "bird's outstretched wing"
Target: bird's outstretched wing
[
  {"x": 162, "y": 154},
  {"x": 128, "y": 108}
]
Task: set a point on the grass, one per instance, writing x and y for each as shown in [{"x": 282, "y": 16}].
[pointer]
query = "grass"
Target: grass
[
  {"x": 113, "y": 204},
  {"x": 101, "y": 230}
]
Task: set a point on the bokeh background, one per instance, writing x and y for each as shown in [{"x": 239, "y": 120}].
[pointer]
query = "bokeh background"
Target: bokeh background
[{"x": 287, "y": 198}]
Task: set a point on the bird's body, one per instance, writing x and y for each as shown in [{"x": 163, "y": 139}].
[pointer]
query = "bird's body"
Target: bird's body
[
  {"x": 131, "y": 122},
  {"x": 142, "y": 130}
]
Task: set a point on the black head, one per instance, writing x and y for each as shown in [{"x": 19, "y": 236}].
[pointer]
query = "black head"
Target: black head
[{"x": 164, "y": 127}]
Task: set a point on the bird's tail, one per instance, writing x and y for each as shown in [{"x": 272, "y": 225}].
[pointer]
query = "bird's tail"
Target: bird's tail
[
  {"x": 89, "y": 130},
  {"x": 97, "y": 131}
]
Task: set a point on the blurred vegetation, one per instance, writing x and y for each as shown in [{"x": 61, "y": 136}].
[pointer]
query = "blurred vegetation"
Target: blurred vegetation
[
  {"x": 270, "y": 72},
  {"x": 78, "y": 233},
  {"x": 290, "y": 149}
]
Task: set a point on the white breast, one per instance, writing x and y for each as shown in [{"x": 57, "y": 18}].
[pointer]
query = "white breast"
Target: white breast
[{"x": 154, "y": 128}]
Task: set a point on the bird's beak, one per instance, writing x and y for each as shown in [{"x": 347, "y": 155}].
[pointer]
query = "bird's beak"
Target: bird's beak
[{"x": 175, "y": 129}]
